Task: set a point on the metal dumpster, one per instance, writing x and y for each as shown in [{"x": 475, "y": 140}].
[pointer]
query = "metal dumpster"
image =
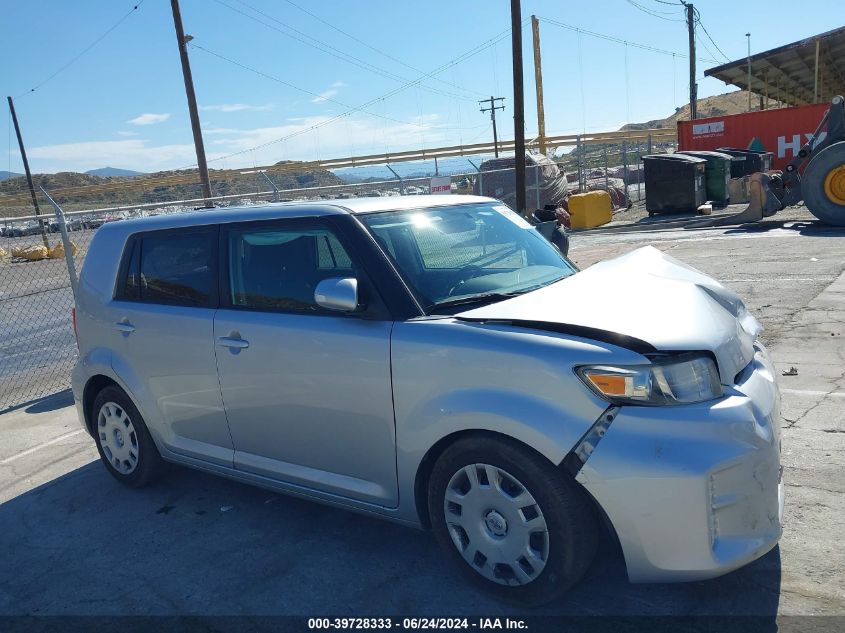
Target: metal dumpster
[
  {"x": 717, "y": 174},
  {"x": 754, "y": 161},
  {"x": 674, "y": 183}
]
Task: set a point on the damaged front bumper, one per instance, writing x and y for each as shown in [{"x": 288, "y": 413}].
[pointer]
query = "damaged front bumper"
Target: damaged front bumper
[{"x": 694, "y": 491}]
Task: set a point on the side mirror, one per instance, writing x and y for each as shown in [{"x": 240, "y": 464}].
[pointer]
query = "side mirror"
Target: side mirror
[{"x": 340, "y": 294}]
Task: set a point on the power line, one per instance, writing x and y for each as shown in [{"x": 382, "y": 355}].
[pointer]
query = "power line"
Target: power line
[
  {"x": 654, "y": 13},
  {"x": 316, "y": 95},
  {"x": 85, "y": 50},
  {"x": 703, "y": 28},
  {"x": 189, "y": 178},
  {"x": 374, "y": 49},
  {"x": 304, "y": 38},
  {"x": 462, "y": 58},
  {"x": 619, "y": 40}
]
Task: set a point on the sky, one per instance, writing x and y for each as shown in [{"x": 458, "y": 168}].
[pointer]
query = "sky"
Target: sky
[{"x": 306, "y": 80}]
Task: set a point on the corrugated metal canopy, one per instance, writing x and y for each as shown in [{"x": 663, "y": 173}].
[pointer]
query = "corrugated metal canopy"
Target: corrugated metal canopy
[{"x": 788, "y": 73}]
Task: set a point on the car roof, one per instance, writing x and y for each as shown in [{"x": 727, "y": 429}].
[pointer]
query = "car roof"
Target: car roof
[{"x": 295, "y": 209}]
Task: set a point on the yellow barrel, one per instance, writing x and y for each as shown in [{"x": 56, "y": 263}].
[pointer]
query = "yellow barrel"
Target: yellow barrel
[{"x": 590, "y": 209}]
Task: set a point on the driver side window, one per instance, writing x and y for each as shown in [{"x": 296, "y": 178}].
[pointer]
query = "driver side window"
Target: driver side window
[{"x": 276, "y": 268}]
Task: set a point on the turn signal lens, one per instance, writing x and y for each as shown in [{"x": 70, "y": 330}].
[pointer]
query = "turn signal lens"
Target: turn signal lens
[
  {"x": 683, "y": 379},
  {"x": 609, "y": 384}
]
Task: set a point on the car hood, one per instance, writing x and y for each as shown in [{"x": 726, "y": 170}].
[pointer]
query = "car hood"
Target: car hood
[{"x": 646, "y": 301}]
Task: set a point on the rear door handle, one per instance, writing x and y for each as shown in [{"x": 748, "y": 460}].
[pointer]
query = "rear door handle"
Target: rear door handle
[
  {"x": 124, "y": 326},
  {"x": 233, "y": 343}
]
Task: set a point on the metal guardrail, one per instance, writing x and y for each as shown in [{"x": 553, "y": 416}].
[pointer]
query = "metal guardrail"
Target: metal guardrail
[{"x": 580, "y": 141}]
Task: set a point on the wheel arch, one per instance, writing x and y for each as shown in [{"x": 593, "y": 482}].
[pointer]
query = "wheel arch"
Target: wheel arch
[
  {"x": 423, "y": 474},
  {"x": 94, "y": 386}
]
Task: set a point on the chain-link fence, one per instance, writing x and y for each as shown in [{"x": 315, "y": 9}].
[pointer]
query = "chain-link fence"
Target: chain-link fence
[
  {"x": 37, "y": 347},
  {"x": 37, "y": 344}
]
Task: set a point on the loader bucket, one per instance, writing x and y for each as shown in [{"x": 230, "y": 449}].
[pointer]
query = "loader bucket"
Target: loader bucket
[{"x": 763, "y": 200}]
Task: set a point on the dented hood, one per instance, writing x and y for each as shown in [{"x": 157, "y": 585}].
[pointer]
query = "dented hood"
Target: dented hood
[{"x": 645, "y": 297}]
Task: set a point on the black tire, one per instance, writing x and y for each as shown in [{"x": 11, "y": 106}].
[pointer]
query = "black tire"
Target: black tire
[
  {"x": 573, "y": 529},
  {"x": 149, "y": 463},
  {"x": 830, "y": 211}
]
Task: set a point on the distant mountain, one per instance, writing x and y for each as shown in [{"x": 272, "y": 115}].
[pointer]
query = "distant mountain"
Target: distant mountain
[
  {"x": 114, "y": 171},
  {"x": 418, "y": 169},
  {"x": 85, "y": 191},
  {"x": 5, "y": 175}
]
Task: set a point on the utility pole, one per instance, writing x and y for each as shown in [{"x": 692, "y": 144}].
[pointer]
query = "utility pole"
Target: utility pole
[
  {"x": 183, "y": 40},
  {"x": 518, "y": 105},
  {"x": 492, "y": 110},
  {"x": 693, "y": 88},
  {"x": 28, "y": 173},
  {"x": 748, "y": 37},
  {"x": 538, "y": 84}
]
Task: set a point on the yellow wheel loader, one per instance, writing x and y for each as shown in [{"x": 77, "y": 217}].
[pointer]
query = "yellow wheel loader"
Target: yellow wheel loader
[{"x": 821, "y": 184}]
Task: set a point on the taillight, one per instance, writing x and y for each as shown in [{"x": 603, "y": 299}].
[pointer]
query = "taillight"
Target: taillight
[{"x": 73, "y": 320}]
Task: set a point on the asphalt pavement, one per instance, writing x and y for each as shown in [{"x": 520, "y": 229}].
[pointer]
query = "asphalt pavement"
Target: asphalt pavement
[{"x": 74, "y": 541}]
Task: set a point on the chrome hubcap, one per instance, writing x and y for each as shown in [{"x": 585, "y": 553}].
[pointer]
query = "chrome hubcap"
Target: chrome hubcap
[
  {"x": 496, "y": 524},
  {"x": 117, "y": 438}
]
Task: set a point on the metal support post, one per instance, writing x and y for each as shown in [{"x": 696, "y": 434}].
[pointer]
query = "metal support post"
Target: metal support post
[
  {"x": 625, "y": 171},
  {"x": 639, "y": 172},
  {"x": 580, "y": 166},
  {"x": 68, "y": 248},
  {"x": 399, "y": 178},
  {"x": 606, "y": 178},
  {"x": 272, "y": 184},
  {"x": 480, "y": 180}
]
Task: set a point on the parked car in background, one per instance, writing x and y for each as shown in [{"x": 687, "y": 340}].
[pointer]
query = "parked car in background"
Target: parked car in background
[
  {"x": 33, "y": 227},
  {"x": 435, "y": 361}
]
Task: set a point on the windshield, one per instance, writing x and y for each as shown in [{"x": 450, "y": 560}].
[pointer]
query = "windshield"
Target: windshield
[{"x": 467, "y": 253}]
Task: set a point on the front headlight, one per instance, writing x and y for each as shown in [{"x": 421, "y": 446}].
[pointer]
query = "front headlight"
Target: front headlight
[{"x": 674, "y": 380}]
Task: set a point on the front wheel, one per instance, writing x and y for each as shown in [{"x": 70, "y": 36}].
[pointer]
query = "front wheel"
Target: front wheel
[
  {"x": 511, "y": 520},
  {"x": 823, "y": 184}
]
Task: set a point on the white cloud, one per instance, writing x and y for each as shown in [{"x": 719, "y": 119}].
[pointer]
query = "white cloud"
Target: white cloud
[
  {"x": 127, "y": 133},
  {"x": 136, "y": 154},
  {"x": 149, "y": 118},
  {"x": 236, "y": 107},
  {"x": 309, "y": 138},
  {"x": 328, "y": 93}
]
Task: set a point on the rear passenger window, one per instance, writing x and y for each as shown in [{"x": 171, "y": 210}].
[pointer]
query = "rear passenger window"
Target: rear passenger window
[
  {"x": 279, "y": 268},
  {"x": 173, "y": 268}
]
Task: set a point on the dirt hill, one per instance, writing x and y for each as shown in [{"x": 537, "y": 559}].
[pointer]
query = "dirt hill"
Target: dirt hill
[
  {"x": 115, "y": 195},
  {"x": 718, "y": 105}
]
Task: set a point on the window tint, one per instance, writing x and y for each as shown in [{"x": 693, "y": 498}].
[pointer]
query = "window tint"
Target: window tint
[
  {"x": 275, "y": 268},
  {"x": 131, "y": 283},
  {"x": 175, "y": 268}
]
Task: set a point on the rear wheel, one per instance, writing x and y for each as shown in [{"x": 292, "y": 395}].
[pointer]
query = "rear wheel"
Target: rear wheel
[
  {"x": 122, "y": 438},
  {"x": 511, "y": 520},
  {"x": 823, "y": 184}
]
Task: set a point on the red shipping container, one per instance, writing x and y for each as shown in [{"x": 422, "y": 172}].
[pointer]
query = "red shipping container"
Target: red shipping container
[{"x": 782, "y": 131}]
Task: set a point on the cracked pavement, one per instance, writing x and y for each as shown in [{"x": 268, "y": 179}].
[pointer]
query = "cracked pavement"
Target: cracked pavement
[{"x": 75, "y": 542}]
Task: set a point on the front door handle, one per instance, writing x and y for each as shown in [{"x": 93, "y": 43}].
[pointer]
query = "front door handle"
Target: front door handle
[
  {"x": 232, "y": 343},
  {"x": 124, "y": 326}
]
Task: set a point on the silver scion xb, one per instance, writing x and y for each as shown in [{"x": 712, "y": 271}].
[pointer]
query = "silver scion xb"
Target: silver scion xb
[{"x": 434, "y": 361}]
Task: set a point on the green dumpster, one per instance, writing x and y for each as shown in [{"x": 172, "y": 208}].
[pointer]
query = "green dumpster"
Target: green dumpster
[{"x": 717, "y": 174}]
